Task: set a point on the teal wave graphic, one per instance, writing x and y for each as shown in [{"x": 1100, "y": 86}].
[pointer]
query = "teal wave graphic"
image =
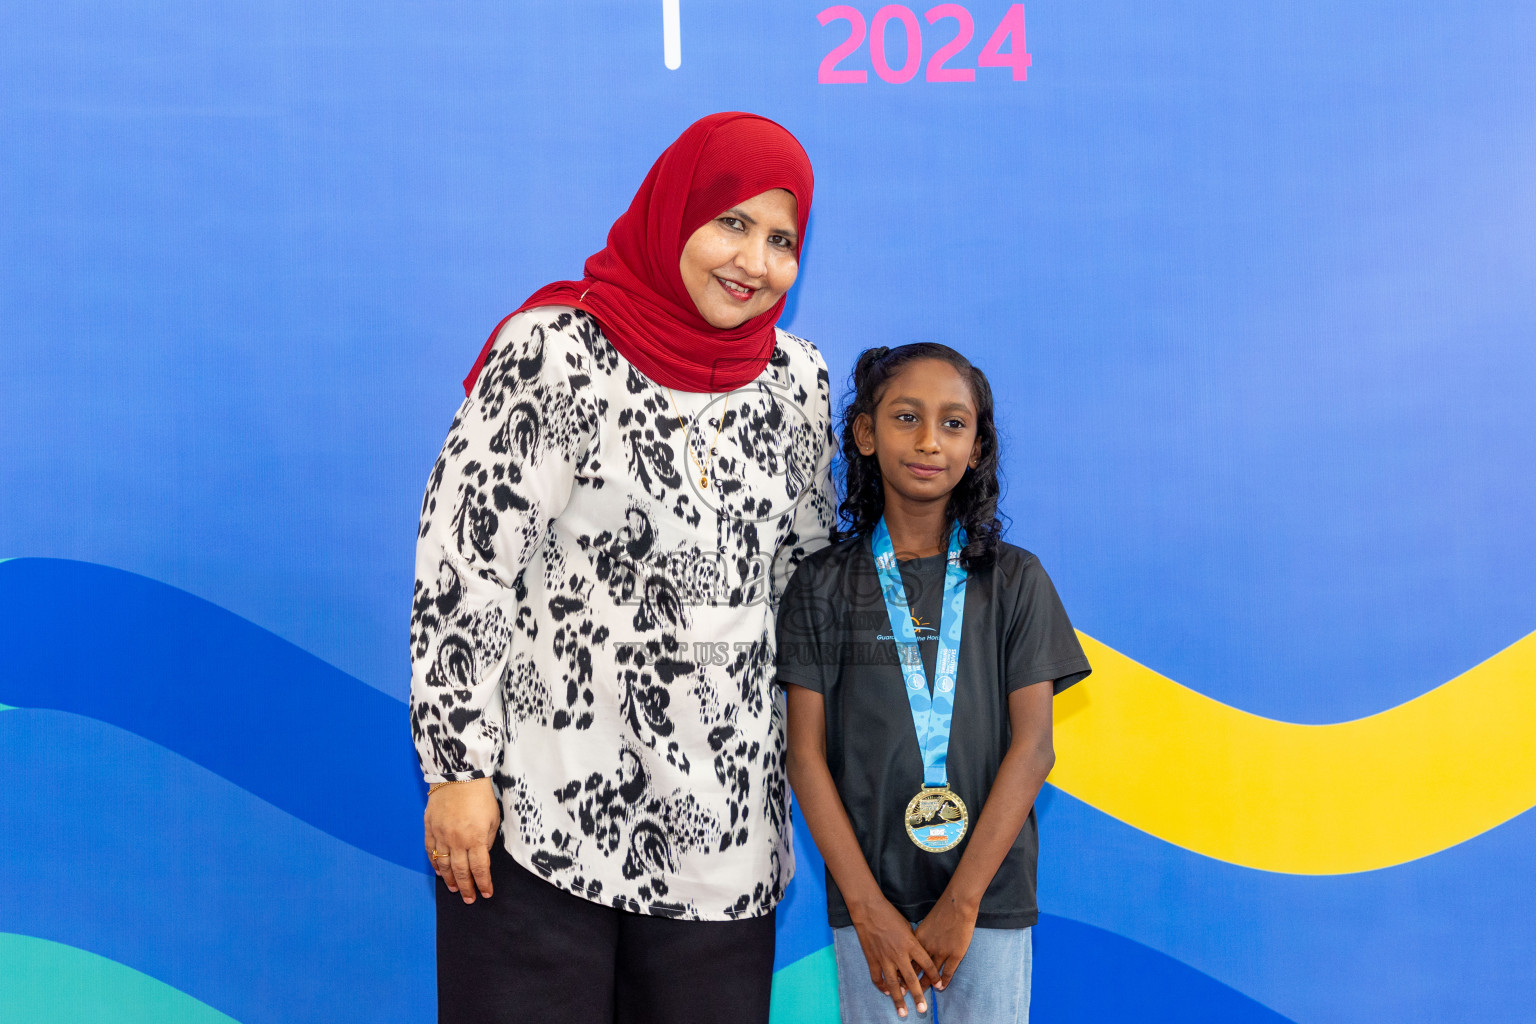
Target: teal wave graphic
[
  {"x": 43, "y": 982},
  {"x": 805, "y": 992}
]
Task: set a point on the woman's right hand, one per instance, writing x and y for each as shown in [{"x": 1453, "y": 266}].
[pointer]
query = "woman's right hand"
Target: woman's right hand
[
  {"x": 461, "y": 824},
  {"x": 897, "y": 961}
]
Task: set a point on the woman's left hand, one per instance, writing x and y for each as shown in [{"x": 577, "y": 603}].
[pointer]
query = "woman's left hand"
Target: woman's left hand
[
  {"x": 461, "y": 824},
  {"x": 946, "y": 934}
]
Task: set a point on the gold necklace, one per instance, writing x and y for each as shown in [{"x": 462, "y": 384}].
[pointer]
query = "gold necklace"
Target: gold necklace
[{"x": 703, "y": 475}]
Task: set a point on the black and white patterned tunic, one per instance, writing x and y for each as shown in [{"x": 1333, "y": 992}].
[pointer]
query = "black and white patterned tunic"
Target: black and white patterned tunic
[{"x": 595, "y": 630}]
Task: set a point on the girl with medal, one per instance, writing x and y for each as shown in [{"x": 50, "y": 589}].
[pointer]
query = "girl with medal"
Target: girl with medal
[{"x": 920, "y": 654}]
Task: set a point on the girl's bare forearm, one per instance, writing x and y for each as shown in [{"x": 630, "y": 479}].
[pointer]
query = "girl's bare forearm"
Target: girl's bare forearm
[
  {"x": 823, "y": 808},
  {"x": 1025, "y": 766},
  {"x": 1007, "y": 808},
  {"x": 833, "y": 831}
]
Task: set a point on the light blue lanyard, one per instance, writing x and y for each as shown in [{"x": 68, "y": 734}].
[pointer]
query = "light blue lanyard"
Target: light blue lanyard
[{"x": 931, "y": 713}]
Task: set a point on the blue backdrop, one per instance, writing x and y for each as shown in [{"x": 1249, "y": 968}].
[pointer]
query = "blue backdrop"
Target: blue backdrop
[{"x": 1256, "y": 284}]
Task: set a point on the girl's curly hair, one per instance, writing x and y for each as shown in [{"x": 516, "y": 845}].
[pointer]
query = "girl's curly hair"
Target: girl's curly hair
[{"x": 973, "y": 502}]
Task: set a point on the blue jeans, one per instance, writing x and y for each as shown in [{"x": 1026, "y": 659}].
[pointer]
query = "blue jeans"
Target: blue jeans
[{"x": 991, "y": 985}]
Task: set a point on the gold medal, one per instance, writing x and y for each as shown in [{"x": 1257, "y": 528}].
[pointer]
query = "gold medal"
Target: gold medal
[{"x": 936, "y": 819}]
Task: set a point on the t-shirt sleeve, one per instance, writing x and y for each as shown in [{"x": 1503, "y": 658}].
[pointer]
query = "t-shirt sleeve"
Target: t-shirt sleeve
[
  {"x": 804, "y": 655},
  {"x": 1041, "y": 643}
]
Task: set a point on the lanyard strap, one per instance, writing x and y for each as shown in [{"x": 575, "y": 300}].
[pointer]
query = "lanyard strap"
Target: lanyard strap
[{"x": 931, "y": 712}]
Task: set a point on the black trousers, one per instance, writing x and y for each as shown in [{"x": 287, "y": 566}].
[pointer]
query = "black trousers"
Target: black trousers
[{"x": 532, "y": 953}]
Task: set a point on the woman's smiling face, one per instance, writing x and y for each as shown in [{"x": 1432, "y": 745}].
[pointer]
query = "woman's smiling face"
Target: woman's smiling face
[{"x": 739, "y": 264}]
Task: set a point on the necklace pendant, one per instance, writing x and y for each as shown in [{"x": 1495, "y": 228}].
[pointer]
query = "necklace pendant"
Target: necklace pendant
[
  {"x": 704, "y": 481},
  {"x": 714, "y": 451}
]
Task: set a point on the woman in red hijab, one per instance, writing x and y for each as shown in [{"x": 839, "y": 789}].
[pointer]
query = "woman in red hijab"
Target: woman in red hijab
[{"x": 639, "y": 464}]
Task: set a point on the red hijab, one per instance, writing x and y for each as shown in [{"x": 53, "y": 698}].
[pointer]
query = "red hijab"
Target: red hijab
[{"x": 633, "y": 286}]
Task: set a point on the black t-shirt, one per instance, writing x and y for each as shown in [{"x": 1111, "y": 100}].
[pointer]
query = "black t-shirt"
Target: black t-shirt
[{"x": 834, "y": 637}]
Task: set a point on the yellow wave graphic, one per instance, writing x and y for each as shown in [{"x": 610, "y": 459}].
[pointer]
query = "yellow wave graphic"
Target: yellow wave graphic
[{"x": 1302, "y": 799}]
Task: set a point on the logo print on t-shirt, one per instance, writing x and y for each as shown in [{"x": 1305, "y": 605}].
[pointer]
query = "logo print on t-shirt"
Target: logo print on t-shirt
[{"x": 921, "y": 628}]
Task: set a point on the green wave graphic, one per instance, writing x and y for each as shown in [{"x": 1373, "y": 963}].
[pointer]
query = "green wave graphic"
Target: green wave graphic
[{"x": 44, "y": 982}]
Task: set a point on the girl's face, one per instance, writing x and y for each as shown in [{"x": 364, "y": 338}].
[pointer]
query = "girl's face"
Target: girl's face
[
  {"x": 923, "y": 432},
  {"x": 739, "y": 264}
]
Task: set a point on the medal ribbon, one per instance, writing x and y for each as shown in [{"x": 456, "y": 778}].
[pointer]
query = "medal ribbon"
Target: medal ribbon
[{"x": 931, "y": 712}]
